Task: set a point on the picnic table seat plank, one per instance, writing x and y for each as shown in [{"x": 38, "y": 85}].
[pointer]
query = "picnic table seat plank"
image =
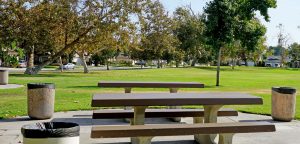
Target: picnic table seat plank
[
  {"x": 226, "y": 130},
  {"x": 159, "y": 113},
  {"x": 131, "y": 84},
  {"x": 179, "y": 129},
  {"x": 163, "y": 99}
]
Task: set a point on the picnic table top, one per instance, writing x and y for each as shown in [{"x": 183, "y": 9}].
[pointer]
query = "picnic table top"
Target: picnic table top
[
  {"x": 169, "y": 99},
  {"x": 123, "y": 84}
]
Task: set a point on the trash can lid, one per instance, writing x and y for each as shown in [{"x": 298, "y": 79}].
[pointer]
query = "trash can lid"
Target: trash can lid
[
  {"x": 40, "y": 85},
  {"x": 50, "y": 129},
  {"x": 284, "y": 90}
]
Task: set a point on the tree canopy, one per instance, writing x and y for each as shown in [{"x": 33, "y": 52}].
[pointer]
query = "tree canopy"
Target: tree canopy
[
  {"x": 230, "y": 20},
  {"x": 61, "y": 26}
]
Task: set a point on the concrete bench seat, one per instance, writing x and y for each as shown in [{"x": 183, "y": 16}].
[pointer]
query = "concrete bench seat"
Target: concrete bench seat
[
  {"x": 159, "y": 113},
  {"x": 147, "y": 132},
  {"x": 124, "y": 84}
]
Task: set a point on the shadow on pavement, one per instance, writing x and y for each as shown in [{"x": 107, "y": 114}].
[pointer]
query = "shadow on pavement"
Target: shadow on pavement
[
  {"x": 264, "y": 120},
  {"x": 162, "y": 142},
  {"x": 17, "y": 119},
  {"x": 87, "y": 121}
]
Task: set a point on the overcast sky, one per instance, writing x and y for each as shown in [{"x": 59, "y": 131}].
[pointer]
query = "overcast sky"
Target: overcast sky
[{"x": 286, "y": 13}]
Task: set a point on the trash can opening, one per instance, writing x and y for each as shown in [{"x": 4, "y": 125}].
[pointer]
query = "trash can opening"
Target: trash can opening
[
  {"x": 40, "y": 85},
  {"x": 284, "y": 90},
  {"x": 50, "y": 129}
]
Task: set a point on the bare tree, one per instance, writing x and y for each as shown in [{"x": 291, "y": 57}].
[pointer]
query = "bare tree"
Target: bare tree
[{"x": 283, "y": 39}]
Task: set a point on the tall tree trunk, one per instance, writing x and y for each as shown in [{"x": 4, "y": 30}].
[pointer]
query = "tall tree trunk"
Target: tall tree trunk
[
  {"x": 246, "y": 62},
  {"x": 244, "y": 58},
  {"x": 30, "y": 61},
  {"x": 38, "y": 68},
  {"x": 61, "y": 64},
  {"x": 158, "y": 63},
  {"x": 107, "y": 64},
  {"x": 232, "y": 63},
  {"x": 177, "y": 64},
  {"x": 218, "y": 67},
  {"x": 83, "y": 59},
  {"x": 194, "y": 62}
]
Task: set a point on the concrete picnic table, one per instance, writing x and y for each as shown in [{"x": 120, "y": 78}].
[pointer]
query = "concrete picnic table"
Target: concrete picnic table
[{"x": 211, "y": 102}]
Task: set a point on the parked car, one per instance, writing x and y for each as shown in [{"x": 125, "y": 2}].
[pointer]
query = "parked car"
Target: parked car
[
  {"x": 22, "y": 64},
  {"x": 140, "y": 63},
  {"x": 69, "y": 66}
]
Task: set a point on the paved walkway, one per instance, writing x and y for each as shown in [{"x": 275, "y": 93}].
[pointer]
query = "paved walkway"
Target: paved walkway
[
  {"x": 10, "y": 86},
  {"x": 286, "y": 132}
]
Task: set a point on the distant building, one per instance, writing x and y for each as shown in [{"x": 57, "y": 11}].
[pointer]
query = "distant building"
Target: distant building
[{"x": 273, "y": 61}]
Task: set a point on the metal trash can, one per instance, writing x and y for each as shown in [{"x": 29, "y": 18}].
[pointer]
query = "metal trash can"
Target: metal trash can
[
  {"x": 283, "y": 103},
  {"x": 51, "y": 133},
  {"x": 3, "y": 76},
  {"x": 40, "y": 100}
]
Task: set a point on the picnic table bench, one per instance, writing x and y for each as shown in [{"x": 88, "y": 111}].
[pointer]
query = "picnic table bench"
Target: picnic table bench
[
  {"x": 172, "y": 86},
  {"x": 212, "y": 102},
  {"x": 159, "y": 113}
]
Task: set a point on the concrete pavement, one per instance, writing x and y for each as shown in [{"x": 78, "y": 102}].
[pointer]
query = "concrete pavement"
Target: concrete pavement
[
  {"x": 286, "y": 132},
  {"x": 10, "y": 86}
]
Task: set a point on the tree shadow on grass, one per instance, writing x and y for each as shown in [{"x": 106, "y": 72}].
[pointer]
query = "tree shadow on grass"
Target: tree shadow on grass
[
  {"x": 16, "y": 119},
  {"x": 264, "y": 120},
  {"x": 215, "y": 68},
  {"x": 84, "y": 87},
  {"x": 88, "y": 121}
]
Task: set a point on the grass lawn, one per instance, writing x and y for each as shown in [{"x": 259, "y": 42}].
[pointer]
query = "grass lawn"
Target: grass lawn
[{"x": 74, "y": 89}]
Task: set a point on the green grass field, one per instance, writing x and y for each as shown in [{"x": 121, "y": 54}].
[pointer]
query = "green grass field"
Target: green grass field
[{"x": 74, "y": 89}]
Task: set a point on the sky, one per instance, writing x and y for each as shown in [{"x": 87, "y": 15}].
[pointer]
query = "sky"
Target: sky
[{"x": 287, "y": 13}]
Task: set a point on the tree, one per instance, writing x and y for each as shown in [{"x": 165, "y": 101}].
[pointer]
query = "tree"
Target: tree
[
  {"x": 232, "y": 52},
  {"x": 294, "y": 53},
  {"x": 260, "y": 51},
  {"x": 190, "y": 33},
  {"x": 282, "y": 43},
  {"x": 62, "y": 26},
  {"x": 9, "y": 54},
  {"x": 157, "y": 33},
  {"x": 227, "y": 20}
]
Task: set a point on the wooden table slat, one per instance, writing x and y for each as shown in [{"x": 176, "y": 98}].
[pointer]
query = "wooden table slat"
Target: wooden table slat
[
  {"x": 169, "y": 99},
  {"x": 131, "y": 84}
]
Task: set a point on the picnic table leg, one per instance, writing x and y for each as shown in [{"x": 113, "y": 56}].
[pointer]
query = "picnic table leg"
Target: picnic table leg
[
  {"x": 210, "y": 116},
  {"x": 139, "y": 119},
  {"x": 176, "y": 119},
  {"x": 225, "y": 138},
  {"x": 127, "y": 90}
]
